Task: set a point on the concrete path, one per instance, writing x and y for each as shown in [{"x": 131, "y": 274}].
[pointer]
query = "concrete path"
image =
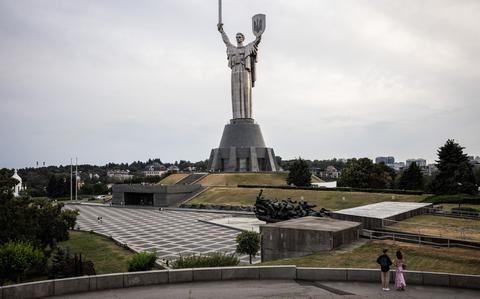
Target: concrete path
[
  {"x": 275, "y": 289},
  {"x": 170, "y": 233}
]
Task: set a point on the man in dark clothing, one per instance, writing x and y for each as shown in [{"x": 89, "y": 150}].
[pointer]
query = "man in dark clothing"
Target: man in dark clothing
[{"x": 385, "y": 262}]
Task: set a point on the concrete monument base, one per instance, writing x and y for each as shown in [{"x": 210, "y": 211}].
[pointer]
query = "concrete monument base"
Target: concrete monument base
[
  {"x": 242, "y": 149},
  {"x": 304, "y": 236}
]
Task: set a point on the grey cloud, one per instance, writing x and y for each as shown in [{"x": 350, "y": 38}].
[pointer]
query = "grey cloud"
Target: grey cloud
[{"x": 122, "y": 80}]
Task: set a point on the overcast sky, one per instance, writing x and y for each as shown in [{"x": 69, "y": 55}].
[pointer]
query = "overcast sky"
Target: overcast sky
[{"x": 118, "y": 81}]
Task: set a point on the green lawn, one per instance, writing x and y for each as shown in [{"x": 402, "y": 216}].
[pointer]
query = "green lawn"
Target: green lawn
[
  {"x": 106, "y": 255},
  {"x": 446, "y": 227},
  {"x": 235, "y": 179},
  {"x": 417, "y": 258},
  {"x": 173, "y": 178},
  {"x": 333, "y": 200}
]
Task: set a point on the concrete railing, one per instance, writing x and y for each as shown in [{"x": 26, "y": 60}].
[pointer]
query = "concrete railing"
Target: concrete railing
[{"x": 125, "y": 280}]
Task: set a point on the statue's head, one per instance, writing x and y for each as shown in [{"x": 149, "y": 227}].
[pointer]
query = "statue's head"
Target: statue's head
[{"x": 240, "y": 38}]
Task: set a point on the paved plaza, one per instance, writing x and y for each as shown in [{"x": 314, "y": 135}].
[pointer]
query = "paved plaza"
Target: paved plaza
[
  {"x": 276, "y": 289},
  {"x": 168, "y": 232}
]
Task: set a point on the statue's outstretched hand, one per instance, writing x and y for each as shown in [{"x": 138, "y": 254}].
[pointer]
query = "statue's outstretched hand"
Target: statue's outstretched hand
[{"x": 220, "y": 27}]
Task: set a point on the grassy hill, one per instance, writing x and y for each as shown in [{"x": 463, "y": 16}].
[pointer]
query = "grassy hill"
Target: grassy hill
[
  {"x": 173, "y": 178},
  {"x": 333, "y": 200},
  {"x": 235, "y": 179},
  {"x": 418, "y": 258}
]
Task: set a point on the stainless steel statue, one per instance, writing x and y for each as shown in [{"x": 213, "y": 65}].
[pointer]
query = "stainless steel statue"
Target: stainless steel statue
[
  {"x": 242, "y": 148},
  {"x": 242, "y": 59}
]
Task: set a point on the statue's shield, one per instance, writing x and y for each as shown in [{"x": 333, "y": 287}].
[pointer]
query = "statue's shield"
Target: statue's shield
[{"x": 258, "y": 24}]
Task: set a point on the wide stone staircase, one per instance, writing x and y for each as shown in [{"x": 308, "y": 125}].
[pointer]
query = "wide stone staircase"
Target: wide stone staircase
[{"x": 192, "y": 178}]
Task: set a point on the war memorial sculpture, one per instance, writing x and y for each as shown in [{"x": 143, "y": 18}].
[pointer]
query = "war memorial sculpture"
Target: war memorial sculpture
[
  {"x": 272, "y": 211},
  {"x": 242, "y": 148}
]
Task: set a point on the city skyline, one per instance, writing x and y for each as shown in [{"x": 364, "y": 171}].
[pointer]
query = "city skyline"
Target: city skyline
[{"x": 119, "y": 82}]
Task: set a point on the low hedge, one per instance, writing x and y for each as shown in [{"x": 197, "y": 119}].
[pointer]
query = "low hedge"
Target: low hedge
[
  {"x": 214, "y": 259},
  {"x": 455, "y": 198},
  {"x": 142, "y": 261},
  {"x": 466, "y": 211},
  {"x": 346, "y": 189}
]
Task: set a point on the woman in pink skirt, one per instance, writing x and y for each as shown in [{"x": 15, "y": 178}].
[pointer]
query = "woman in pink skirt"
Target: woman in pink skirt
[{"x": 399, "y": 269}]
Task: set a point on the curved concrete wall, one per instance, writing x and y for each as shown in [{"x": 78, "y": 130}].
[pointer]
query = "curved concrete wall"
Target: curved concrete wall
[{"x": 125, "y": 280}]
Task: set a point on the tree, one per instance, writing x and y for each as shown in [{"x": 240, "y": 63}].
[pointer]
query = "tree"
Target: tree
[
  {"x": 248, "y": 242},
  {"x": 299, "y": 174},
  {"x": 58, "y": 186},
  {"x": 70, "y": 217},
  {"x": 455, "y": 174},
  {"x": 6, "y": 182},
  {"x": 362, "y": 173},
  {"x": 19, "y": 258},
  {"x": 64, "y": 265},
  {"x": 59, "y": 263},
  {"x": 382, "y": 177},
  {"x": 39, "y": 221},
  {"x": 411, "y": 178}
]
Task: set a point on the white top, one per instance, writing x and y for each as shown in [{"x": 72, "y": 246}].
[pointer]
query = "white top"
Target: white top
[{"x": 17, "y": 177}]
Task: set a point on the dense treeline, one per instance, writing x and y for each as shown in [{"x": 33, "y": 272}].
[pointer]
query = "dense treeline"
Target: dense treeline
[
  {"x": 456, "y": 173},
  {"x": 55, "y": 181}
]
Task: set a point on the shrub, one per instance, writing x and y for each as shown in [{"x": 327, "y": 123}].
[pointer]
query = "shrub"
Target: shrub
[
  {"x": 214, "y": 259},
  {"x": 248, "y": 242},
  {"x": 70, "y": 217},
  {"x": 19, "y": 258},
  {"x": 142, "y": 261},
  {"x": 64, "y": 265}
]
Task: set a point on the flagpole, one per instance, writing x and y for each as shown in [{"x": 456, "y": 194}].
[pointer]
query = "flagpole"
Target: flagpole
[
  {"x": 71, "y": 179},
  {"x": 76, "y": 177},
  {"x": 219, "y": 11}
]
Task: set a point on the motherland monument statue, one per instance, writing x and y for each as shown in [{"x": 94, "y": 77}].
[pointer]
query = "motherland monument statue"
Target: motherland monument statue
[{"x": 242, "y": 148}]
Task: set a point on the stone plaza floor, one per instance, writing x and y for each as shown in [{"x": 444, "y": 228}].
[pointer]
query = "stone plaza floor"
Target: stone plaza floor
[
  {"x": 275, "y": 289},
  {"x": 168, "y": 232}
]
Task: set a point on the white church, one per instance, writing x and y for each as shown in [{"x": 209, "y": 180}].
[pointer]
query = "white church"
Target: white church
[{"x": 18, "y": 187}]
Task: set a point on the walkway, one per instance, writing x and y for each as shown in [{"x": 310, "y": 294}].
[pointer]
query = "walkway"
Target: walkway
[
  {"x": 275, "y": 289},
  {"x": 168, "y": 232}
]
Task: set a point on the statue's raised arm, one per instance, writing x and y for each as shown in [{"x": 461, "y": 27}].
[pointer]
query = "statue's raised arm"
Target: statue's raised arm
[{"x": 225, "y": 38}]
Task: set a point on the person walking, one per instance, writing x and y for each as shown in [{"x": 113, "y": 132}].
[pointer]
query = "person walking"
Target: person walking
[
  {"x": 399, "y": 269},
  {"x": 385, "y": 262}
]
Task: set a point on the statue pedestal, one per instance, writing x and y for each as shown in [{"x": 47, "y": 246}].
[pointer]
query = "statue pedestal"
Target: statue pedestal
[{"x": 242, "y": 149}]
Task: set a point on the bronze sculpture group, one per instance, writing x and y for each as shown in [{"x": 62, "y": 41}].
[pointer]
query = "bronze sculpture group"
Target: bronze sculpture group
[{"x": 272, "y": 211}]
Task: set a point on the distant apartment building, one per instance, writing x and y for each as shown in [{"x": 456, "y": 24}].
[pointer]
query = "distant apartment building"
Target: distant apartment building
[
  {"x": 119, "y": 175},
  {"x": 420, "y": 162},
  {"x": 385, "y": 160},
  {"x": 328, "y": 173},
  {"x": 173, "y": 168},
  {"x": 397, "y": 166},
  {"x": 473, "y": 160},
  {"x": 390, "y": 162},
  {"x": 93, "y": 176},
  {"x": 430, "y": 169},
  {"x": 155, "y": 169}
]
